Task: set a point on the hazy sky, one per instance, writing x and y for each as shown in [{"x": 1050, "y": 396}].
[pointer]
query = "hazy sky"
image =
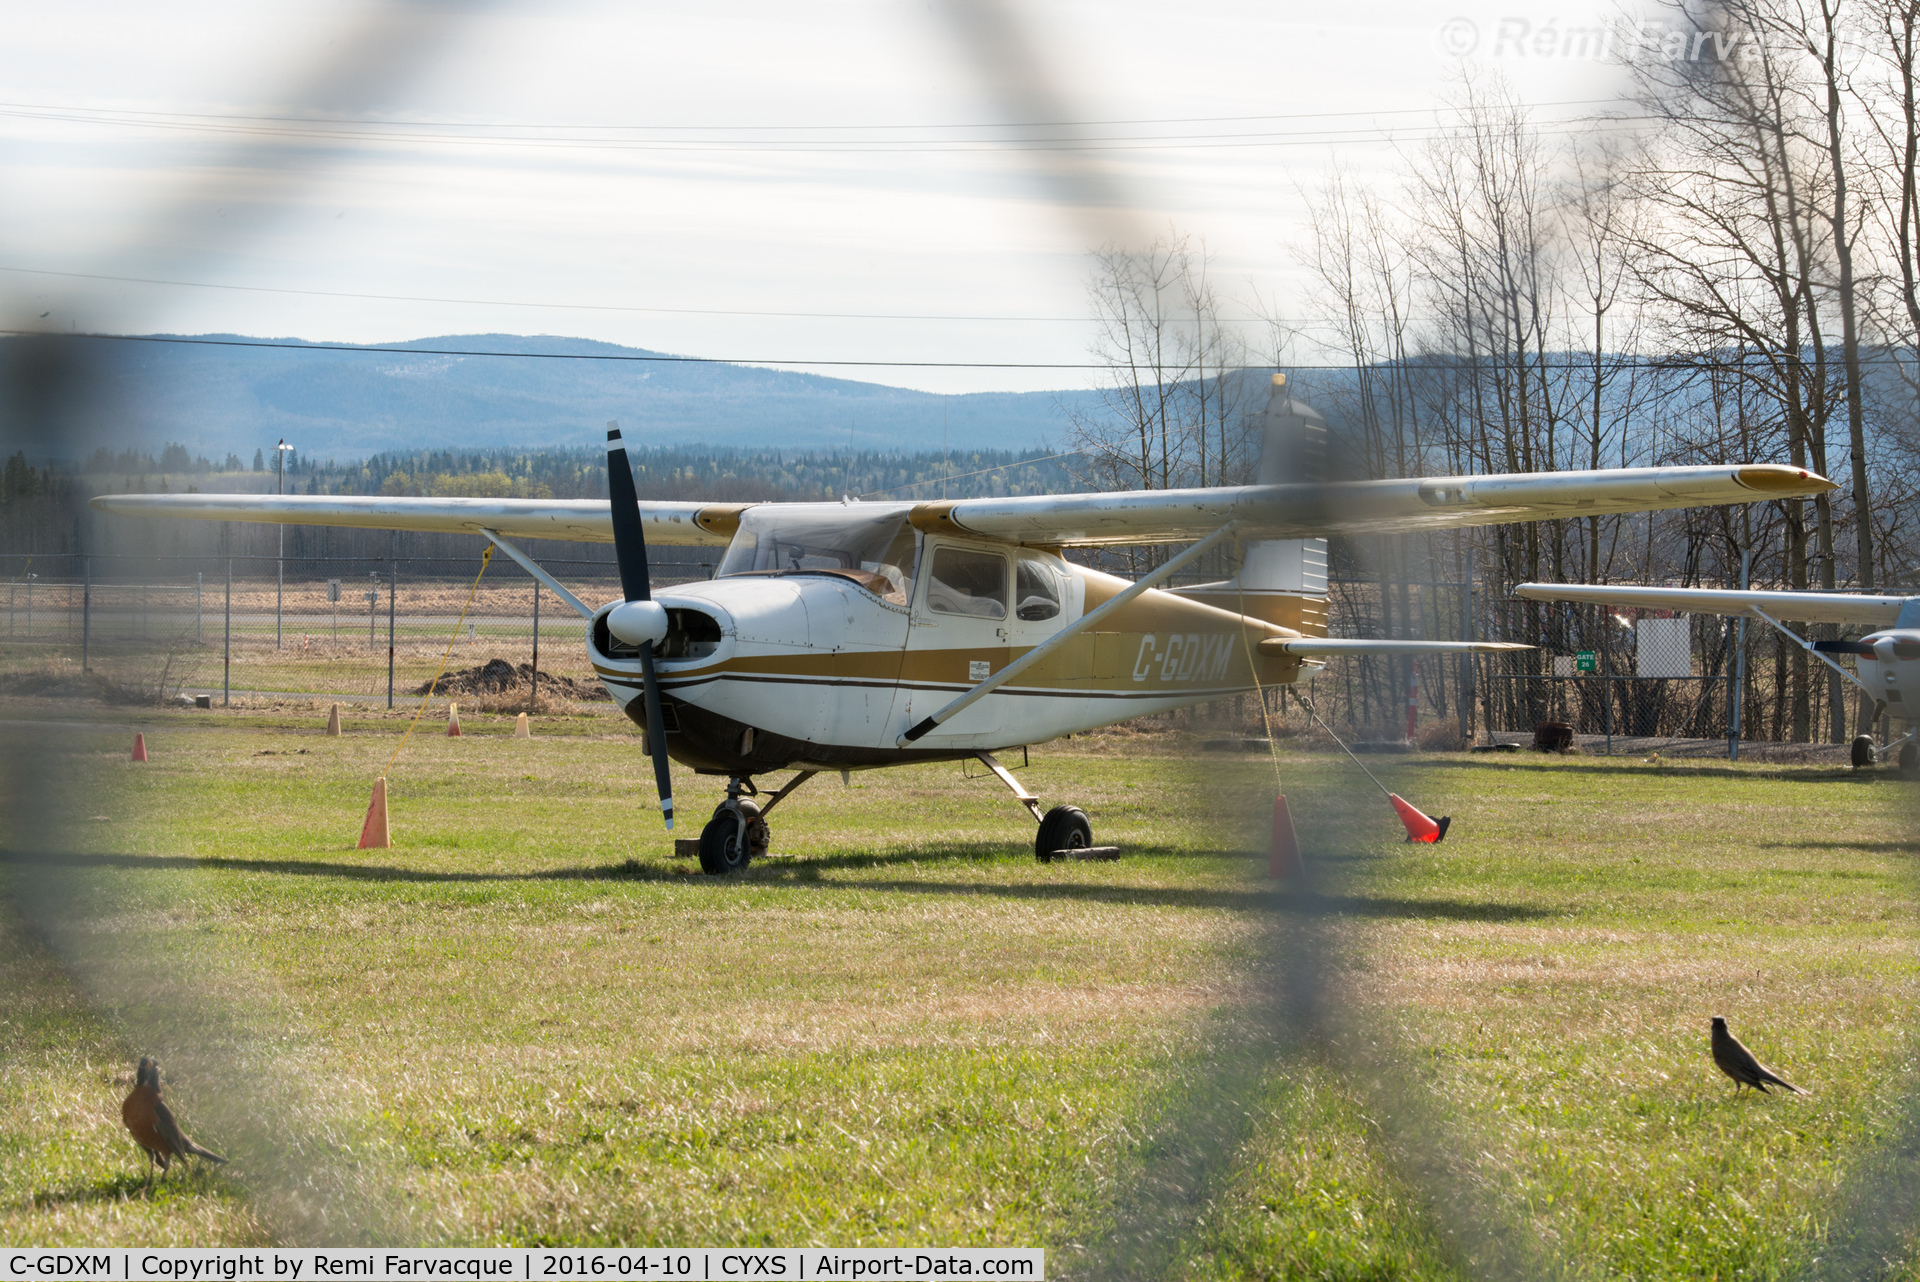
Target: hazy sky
[{"x": 668, "y": 176}]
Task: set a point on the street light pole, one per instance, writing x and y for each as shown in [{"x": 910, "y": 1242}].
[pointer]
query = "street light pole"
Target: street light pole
[{"x": 280, "y": 564}]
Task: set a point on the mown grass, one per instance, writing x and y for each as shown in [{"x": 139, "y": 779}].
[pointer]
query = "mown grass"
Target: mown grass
[{"x": 527, "y": 1022}]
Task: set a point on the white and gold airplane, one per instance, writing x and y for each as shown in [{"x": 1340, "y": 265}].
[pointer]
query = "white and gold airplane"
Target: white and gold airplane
[
  {"x": 853, "y": 635},
  {"x": 1888, "y": 659}
]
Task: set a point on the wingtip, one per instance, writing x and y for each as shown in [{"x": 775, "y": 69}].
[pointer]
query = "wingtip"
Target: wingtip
[{"x": 1781, "y": 478}]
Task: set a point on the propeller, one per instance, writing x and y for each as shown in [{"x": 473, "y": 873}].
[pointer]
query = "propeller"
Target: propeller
[{"x": 639, "y": 620}]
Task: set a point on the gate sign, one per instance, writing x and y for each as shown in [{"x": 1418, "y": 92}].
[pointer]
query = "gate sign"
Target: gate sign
[{"x": 1583, "y": 661}]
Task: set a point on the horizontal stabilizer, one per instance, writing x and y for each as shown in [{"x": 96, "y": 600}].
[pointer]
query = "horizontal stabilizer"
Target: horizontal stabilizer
[
  {"x": 1797, "y": 607},
  {"x": 1327, "y": 646}
]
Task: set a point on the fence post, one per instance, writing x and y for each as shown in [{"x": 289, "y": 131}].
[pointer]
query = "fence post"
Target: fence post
[
  {"x": 86, "y": 610},
  {"x": 1468, "y": 692},
  {"x": 536, "y": 645},
  {"x": 393, "y": 593},
  {"x": 226, "y": 660},
  {"x": 1738, "y": 694},
  {"x": 1604, "y": 662},
  {"x": 199, "y": 611}
]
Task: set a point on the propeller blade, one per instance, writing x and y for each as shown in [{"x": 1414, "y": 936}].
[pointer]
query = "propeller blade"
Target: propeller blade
[
  {"x": 641, "y": 628},
  {"x": 657, "y": 738},
  {"x": 629, "y": 538}
]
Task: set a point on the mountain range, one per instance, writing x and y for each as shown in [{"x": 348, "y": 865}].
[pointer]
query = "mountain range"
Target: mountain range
[{"x": 217, "y": 393}]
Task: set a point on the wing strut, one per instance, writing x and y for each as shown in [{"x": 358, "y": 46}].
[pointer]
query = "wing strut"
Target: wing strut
[
  {"x": 1811, "y": 648},
  {"x": 1059, "y": 638},
  {"x": 532, "y": 567}
]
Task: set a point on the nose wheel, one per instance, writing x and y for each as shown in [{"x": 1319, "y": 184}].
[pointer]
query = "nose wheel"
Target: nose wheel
[
  {"x": 731, "y": 839},
  {"x": 738, "y": 833}
]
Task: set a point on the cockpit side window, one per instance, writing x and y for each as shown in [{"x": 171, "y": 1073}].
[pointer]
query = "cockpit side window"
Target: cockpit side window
[
  {"x": 964, "y": 581},
  {"x": 1036, "y": 591}
]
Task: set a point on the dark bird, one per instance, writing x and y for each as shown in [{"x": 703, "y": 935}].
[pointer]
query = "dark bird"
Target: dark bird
[
  {"x": 1737, "y": 1062},
  {"x": 151, "y": 1122}
]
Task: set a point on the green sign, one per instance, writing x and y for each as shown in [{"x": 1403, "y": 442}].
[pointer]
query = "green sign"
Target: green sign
[{"x": 1583, "y": 661}]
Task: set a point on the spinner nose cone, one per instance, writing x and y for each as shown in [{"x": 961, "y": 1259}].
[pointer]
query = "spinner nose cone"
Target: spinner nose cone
[{"x": 638, "y": 623}]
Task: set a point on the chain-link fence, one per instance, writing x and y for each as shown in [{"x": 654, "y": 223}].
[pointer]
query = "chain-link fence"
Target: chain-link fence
[
  {"x": 362, "y": 630},
  {"x": 370, "y": 630}
]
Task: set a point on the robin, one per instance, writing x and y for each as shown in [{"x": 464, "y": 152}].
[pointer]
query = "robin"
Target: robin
[
  {"x": 1737, "y": 1062},
  {"x": 151, "y": 1122}
]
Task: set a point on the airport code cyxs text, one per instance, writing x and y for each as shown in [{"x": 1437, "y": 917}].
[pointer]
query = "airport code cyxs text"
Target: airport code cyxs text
[{"x": 524, "y": 1264}]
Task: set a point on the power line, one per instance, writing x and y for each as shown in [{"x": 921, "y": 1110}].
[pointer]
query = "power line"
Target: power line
[
  {"x": 1572, "y": 361},
  {"x": 113, "y": 114},
  {"x": 642, "y": 358},
  {"x": 377, "y": 132},
  {"x": 581, "y": 307}
]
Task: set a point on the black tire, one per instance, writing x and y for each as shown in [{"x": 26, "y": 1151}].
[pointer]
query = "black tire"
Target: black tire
[
  {"x": 721, "y": 849},
  {"x": 1064, "y": 828},
  {"x": 1909, "y": 757},
  {"x": 1862, "y": 751}
]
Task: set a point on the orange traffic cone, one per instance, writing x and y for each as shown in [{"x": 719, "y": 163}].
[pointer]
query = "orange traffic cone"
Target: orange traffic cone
[
  {"x": 139, "y": 746},
  {"x": 521, "y": 730},
  {"x": 453, "y": 721},
  {"x": 1283, "y": 860},
  {"x": 1419, "y": 827},
  {"x": 333, "y": 720},
  {"x": 373, "y": 833}
]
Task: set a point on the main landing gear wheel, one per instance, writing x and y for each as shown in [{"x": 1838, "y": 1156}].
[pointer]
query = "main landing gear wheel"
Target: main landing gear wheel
[
  {"x": 1862, "y": 751},
  {"x": 1063, "y": 828},
  {"x": 725, "y": 843}
]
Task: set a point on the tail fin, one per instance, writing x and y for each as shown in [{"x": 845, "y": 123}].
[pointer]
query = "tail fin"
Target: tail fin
[{"x": 1281, "y": 581}]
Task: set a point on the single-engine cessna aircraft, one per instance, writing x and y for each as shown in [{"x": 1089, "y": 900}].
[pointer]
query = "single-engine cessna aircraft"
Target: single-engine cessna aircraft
[
  {"x": 849, "y": 636},
  {"x": 1888, "y": 659}
]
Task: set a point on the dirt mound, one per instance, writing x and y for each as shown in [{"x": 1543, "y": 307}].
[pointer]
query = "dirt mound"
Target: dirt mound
[
  {"x": 68, "y": 682},
  {"x": 498, "y": 677}
]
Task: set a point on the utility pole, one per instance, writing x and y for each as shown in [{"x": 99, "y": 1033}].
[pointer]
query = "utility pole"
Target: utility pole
[{"x": 280, "y": 571}]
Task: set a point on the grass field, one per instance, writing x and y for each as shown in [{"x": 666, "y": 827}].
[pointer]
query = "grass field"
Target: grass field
[{"x": 527, "y": 1022}]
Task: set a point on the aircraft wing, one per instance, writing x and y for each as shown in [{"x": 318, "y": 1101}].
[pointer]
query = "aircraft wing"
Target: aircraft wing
[
  {"x": 1801, "y": 607},
  {"x": 1361, "y": 507},
  {"x": 578, "y": 520},
  {"x": 1063, "y": 520}
]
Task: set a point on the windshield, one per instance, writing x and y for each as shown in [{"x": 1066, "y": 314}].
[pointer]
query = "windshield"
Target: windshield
[{"x": 874, "y": 549}]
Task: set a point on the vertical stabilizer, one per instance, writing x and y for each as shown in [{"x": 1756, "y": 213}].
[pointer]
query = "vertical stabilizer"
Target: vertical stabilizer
[{"x": 1282, "y": 581}]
